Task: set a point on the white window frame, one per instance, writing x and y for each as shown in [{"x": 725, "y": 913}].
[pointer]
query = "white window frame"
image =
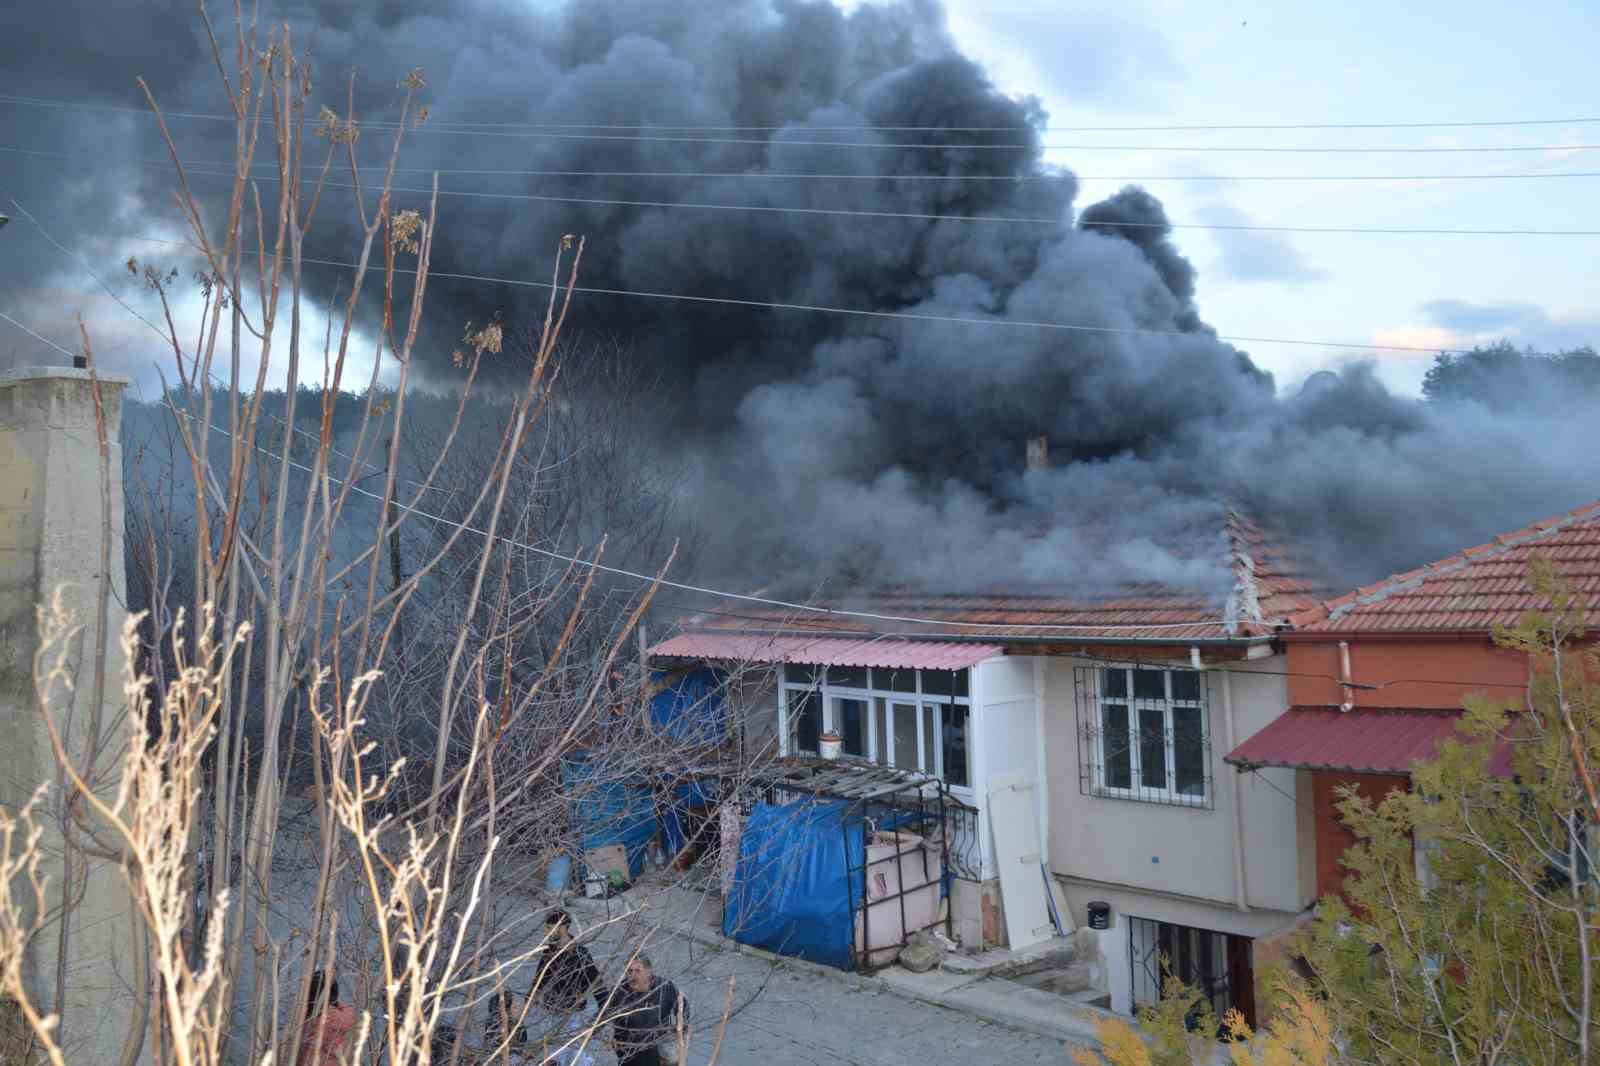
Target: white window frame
[
  {"x": 1138, "y": 790},
  {"x": 880, "y": 749}
]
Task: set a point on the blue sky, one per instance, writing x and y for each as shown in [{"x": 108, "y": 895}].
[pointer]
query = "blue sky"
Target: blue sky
[{"x": 1170, "y": 62}]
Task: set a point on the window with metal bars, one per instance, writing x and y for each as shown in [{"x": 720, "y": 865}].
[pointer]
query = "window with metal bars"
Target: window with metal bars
[
  {"x": 1216, "y": 966},
  {"x": 1142, "y": 735}
]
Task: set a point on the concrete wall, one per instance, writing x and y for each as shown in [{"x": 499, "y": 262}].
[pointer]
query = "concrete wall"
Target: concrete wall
[
  {"x": 50, "y": 539},
  {"x": 1184, "y": 852}
]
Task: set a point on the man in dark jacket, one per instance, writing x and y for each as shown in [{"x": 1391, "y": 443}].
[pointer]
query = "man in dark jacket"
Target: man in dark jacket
[
  {"x": 649, "y": 1012},
  {"x": 567, "y": 978},
  {"x": 566, "y": 984}
]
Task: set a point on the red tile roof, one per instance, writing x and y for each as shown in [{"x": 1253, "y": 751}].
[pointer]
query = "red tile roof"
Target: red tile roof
[
  {"x": 1474, "y": 589},
  {"x": 1363, "y": 740},
  {"x": 826, "y": 651},
  {"x": 1268, "y": 585}
]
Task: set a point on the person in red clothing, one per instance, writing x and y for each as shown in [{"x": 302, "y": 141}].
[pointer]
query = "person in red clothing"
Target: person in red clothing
[{"x": 327, "y": 1032}]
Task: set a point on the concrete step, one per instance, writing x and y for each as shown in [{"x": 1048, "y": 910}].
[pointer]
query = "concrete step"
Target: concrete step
[
  {"x": 1069, "y": 980},
  {"x": 1054, "y": 953}
]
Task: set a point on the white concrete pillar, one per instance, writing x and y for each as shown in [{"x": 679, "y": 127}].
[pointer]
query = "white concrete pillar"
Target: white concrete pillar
[{"x": 51, "y": 538}]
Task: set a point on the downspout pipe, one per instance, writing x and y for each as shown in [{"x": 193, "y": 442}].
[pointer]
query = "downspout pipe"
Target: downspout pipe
[
  {"x": 1344, "y": 677},
  {"x": 1241, "y": 898}
]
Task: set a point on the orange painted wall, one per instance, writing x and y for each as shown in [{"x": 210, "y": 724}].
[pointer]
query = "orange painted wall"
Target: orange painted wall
[
  {"x": 1333, "y": 836},
  {"x": 1451, "y": 670}
]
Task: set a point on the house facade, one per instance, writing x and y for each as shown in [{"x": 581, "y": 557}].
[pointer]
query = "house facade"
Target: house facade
[
  {"x": 1114, "y": 717},
  {"x": 1378, "y": 677},
  {"x": 1183, "y": 758}
]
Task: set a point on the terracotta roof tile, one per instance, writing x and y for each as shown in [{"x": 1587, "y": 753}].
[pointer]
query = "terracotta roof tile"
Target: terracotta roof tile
[
  {"x": 1474, "y": 589},
  {"x": 1269, "y": 586}
]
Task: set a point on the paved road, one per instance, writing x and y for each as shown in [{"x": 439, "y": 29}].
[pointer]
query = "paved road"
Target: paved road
[{"x": 787, "y": 1016}]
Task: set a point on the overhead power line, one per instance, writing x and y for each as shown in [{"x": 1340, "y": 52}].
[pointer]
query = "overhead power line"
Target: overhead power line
[
  {"x": 576, "y": 560},
  {"x": 34, "y": 101},
  {"x": 932, "y": 216},
  {"x": 109, "y": 291},
  {"x": 555, "y": 134},
  {"x": 770, "y": 175},
  {"x": 911, "y": 316}
]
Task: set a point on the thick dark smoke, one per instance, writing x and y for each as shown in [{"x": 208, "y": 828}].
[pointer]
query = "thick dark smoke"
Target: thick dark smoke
[{"x": 880, "y": 449}]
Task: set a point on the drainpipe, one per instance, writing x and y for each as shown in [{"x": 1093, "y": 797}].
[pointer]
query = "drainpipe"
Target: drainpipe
[
  {"x": 1344, "y": 677},
  {"x": 1043, "y": 791},
  {"x": 1240, "y": 895}
]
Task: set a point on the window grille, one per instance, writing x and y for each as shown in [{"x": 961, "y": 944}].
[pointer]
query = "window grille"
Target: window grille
[{"x": 1143, "y": 735}]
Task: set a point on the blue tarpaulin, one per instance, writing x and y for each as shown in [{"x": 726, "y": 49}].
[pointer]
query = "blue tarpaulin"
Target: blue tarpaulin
[
  {"x": 609, "y": 811},
  {"x": 792, "y": 891},
  {"x": 690, "y": 709}
]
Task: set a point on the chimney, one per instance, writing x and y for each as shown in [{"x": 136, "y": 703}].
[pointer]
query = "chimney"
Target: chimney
[{"x": 1038, "y": 452}]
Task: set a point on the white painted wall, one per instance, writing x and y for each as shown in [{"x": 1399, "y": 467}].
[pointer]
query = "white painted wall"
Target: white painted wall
[{"x": 1175, "y": 851}]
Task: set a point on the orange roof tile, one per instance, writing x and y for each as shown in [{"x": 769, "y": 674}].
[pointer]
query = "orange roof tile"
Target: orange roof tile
[
  {"x": 1474, "y": 589},
  {"x": 1269, "y": 585}
]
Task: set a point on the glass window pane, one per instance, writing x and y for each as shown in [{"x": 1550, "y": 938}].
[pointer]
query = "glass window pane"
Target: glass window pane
[
  {"x": 1186, "y": 685},
  {"x": 894, "y": 680},
  {"x": 905, "y": 736},
  {"x": 800, "y": 674},
  {"x": 878, "y": 721},
  {"x": 954, "y": 741},
  {"x": 1189, "y": 751},
  {"x": 930, "y": 739},
  {"x": 1152, "y": 747},
  {"x": 1115, "y": 755},
  {"x": 848, "y": 676},
  {"x": 1114, "y": 683},
  {"x": 961, "y": 682},
  {"x": 851, "y": 719},
  {"x": 1148, "y": 685},
  {"x": 938, "y": 682},
  {"x": 804, "y": 727}
]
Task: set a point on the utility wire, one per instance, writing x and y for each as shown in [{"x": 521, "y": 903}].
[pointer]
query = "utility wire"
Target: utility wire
[
  {"x": 924, "y": 216},
  {"x": 912, "y": 316},
  {"x": 549, "y": 133},
  {"x": 575, "y": 560},
  {"x": 812, "y": 608},
  {"x": 759, "y": 175},
  {"x": 89, "y": 269},
  {"x": 199, "y": 170},
  {"x": 1474, "y": 124}
]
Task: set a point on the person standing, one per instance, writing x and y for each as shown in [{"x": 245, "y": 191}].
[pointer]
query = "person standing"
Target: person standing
[
  {"x": 327, "y": 1031},
  {"x": 567, "y": 986},
  {"x": 650, "y": 1013}
]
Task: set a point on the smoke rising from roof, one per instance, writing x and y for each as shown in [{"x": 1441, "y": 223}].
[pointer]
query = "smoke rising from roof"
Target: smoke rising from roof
[{"x": 883, "y": 450}]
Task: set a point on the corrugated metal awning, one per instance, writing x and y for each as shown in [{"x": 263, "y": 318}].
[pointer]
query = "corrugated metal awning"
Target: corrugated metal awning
[
  {"x": 1362, "y": 740},
  {"x": 885, "y": 652}
]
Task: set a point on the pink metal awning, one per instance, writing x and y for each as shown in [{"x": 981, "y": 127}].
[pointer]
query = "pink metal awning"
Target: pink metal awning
[{"x": 884, "y": 652}]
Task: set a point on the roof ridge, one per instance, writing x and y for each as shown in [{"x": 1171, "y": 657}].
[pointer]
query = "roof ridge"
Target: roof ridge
[
  {"x": 1243, "y": 602},
  {"x": 1406, "y": 580}
]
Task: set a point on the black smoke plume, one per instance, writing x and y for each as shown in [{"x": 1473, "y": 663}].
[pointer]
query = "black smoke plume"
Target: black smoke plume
[{"x": 881, "y": 449}]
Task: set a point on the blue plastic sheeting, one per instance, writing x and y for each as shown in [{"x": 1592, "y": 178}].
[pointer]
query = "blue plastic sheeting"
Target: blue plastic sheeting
[
  {"x": 792, "y": 891},
  {"x": 610, "y": 811},
  {"x": 691, "y": 709}
]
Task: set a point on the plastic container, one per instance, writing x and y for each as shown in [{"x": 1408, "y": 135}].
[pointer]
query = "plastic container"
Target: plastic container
[
  {"x": 830, "y": 745},
  {"x": 559, "y": 875},
  {"x": 896, "y": 862}
]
